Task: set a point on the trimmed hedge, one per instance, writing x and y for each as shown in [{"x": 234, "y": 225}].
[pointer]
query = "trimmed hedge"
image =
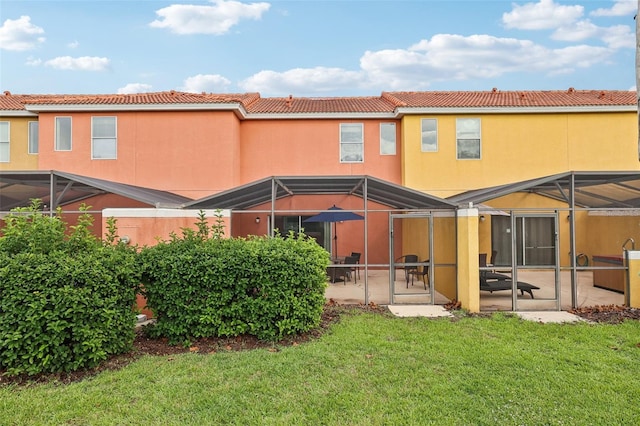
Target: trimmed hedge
[
  {"x": 65, "y": 300},
  {"x": 268, "y": 287}
]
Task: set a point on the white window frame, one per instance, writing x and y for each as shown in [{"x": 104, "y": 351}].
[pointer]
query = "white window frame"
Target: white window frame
[
  {"x": 97, "y": 139},
  {"x": 6, "y": 142},
  {"x": 387, "y": 146},
  {"x": 349, "y": 143},
  {"x": 469, "y": 137},
  {"x": 33, "y": 139},
  {"x": 57, "y": 134},
  {"x": 425, "y": 135}
]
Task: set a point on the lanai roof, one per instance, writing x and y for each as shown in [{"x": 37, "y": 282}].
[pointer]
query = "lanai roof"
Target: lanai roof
[
  {"x": 276, "y": 187},
  {"x": 57, "y": 188},
  {"x": 593, "y": 190}
]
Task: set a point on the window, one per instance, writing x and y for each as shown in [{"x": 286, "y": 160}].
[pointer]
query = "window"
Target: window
[
  {"x": 4, "y": 141},
  {"x": 429, "y": 135},
  {"x": 33, "y": 137},
  {"x": 351, "y": 143},
  {"x": 63, "y": 133},
  {"x": 103, "y": 138},
  {"x": 468, "y": 138},
  {"x": 387, "y": 138}
]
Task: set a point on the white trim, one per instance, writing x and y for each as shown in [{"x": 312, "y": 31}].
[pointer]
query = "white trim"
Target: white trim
[
  {"x": 625, "y": 212},
  {"x": 55, "y": 133},
  {"x": 131, "y": 107},
  {"x": 29, "y": 137},
  {"x": 395, "y": 137},
  {"x": 8, "y": 142},
  {"x": 161, "y": 213},
  {"x": 472, "y": 212},
  {"x": 422, "y": 130},
  {"x": 94, "y": 138},
  {"x": 634, "y": 254},
  {"x": 323, "y": 115},
  {"x": 514, "y": 110},
  {"x": 16, "y": 113}
]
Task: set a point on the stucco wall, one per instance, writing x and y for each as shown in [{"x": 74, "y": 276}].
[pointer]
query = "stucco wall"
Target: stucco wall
[
  {"x": 19, "y": 157},
  {"x": 312, "y": 147},
  {"x": 516, "y": 147},
  {"x": 191, "y": 153}
]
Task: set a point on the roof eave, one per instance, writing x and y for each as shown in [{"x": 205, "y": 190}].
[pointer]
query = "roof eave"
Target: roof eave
[
  {"x": 16, "y": 113},
  {"x": 515, "y": 110},
  {"x": 136, "y": 107},
  {"x": 322, "y": 115}
]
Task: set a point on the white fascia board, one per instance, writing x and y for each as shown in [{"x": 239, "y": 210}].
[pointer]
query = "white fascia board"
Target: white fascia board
[
  {"x": 17, "y": 113},
  {"x": 331, "y": 115},
  {"x": 133, "y": 107},
  {"x": 515, "y": 110}
]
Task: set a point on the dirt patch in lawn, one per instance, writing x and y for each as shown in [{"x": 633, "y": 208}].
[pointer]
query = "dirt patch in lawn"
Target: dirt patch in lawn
[
  {"x": 332, "y": 313},
  {"x": 611, "y": 314}
]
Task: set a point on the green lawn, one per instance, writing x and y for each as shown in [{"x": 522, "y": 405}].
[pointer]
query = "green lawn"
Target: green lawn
[{"x": 369, "y": 369}]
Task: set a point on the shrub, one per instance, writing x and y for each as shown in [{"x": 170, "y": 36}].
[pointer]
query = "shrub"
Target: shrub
[
  {"x": 65, "y": 300},
  {"x": 201, "y": 286}
]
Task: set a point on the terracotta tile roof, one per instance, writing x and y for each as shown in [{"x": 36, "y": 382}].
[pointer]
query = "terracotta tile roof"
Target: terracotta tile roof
[
  {"x": 293, "y": 105},
  {"x": 9, "y": 102},
  {"x": 387, "y": 102},
  {"x": 170, "y": 97},
  {"x": 496, "y": 98}
]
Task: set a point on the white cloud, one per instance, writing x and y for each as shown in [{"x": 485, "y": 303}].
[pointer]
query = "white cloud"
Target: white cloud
[
  {"x": 33, "y": 62},
  {"x": 205, "y": 83},
  {"x": 215, "y": 19},
  {"x": 20, "y": 34},
  {"x": 444, "y": 57},
  {"x": 619, "y": 36},
  {"x": 455, "y": 57},
  {"x": 73, "y": 45},
  {"x": 568, "y": 23},
  {"x": 542, "y": 15},
  {"x": 134, "y": 88},
  {"x": 619, "y": 8},
  {"x": 301, "y": 80},
  {"x": 83, "y": 63}
]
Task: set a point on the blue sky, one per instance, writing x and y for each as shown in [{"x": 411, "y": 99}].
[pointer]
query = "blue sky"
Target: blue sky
[{"x": 314, "y": 48}]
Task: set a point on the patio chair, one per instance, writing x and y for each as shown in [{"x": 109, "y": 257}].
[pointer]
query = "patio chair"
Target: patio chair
[
  {"x": 408, "y": 258},
  {"x": 494, "y": 281},
  {"x": 499, "y": 285},
  {"x": 357, "y": 256},
  {"x": 490, "y": 275},
  {"x": 421, "y": 274},
  {"x": 352, "y": 260},
  {"x": 339, "y": 273}
]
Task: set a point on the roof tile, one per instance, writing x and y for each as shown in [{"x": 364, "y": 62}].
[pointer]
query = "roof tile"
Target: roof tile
[{"x": 386, "y": 103}]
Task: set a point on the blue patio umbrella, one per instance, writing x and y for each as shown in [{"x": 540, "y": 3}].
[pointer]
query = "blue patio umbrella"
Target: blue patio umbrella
[{"x": 332, "y": 215}]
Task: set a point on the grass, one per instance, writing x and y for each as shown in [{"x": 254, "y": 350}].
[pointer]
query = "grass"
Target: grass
[{"x": 369, "y": 369}]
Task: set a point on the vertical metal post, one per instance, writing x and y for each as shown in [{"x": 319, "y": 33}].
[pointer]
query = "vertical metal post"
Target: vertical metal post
[
  {"x": 273, "y": 206},
  {"x": 432, "y": 263},
  {"x": 52, "y": 193},
  {"x": 365, "y": 197},
  {"x": 572, "y": 239},
  {"x": 514, "y": 262},
  {"x": 392, "y": 266}
]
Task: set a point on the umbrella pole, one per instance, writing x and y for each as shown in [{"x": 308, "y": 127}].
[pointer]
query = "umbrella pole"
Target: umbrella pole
[{"x": 335, "y": 240}]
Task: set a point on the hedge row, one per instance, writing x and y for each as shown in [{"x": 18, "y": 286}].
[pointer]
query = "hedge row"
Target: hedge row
[
  {"x": 66, "y": 297},
  {"x": 201, "y": 286}
]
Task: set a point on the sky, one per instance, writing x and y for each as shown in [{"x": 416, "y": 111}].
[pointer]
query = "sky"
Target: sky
[{"x": 312, "y": 48}]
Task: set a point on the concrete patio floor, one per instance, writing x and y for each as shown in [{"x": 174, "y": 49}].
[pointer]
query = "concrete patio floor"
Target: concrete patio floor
[{"x": 378, "y": 288}]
